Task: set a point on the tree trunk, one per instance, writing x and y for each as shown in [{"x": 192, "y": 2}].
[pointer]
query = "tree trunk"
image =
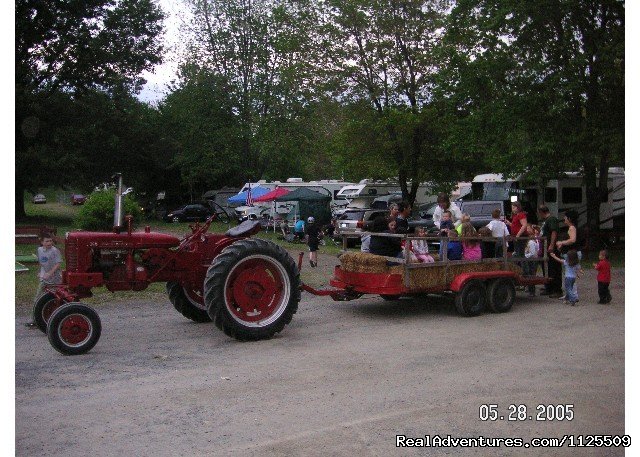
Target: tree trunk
[
  {"x": 593, "y": 198},
  {"x": 20, "y": 213}
]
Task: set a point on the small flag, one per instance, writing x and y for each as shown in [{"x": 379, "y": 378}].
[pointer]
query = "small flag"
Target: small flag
[{"x": 249, "y": 197}]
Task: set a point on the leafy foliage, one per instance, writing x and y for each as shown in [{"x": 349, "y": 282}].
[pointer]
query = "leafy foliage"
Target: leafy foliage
[
  {"x": 67, "y": 54},
  {"x": 97, "y": 212},
  {"x": 545, "y": 81}
]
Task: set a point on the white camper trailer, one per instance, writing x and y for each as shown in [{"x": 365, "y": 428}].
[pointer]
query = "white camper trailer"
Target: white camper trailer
[
  {"x": 560, "y": 195},
  {"x": 363, "y": 194}
]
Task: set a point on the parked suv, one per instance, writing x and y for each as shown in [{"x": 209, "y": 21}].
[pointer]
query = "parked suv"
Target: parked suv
[
  {"x": 480, "y": 210},
  {"x": 349, "y": 220},
  {"x": 192, "y": 212}
]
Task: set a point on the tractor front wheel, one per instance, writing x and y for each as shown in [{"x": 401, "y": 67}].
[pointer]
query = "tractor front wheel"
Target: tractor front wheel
[
  {"x": 252, "y": 289},
  {"x": 43, "y": 308},
  {"x": 189, "y": 303},
  {"x": 74, "y": 329}
]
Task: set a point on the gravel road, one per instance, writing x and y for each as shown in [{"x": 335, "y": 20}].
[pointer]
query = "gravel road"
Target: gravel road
[{"x": 342, "y": 378}]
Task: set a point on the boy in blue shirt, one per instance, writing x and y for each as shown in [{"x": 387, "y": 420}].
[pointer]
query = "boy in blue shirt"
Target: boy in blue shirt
[{"x": 454, "y": 247}]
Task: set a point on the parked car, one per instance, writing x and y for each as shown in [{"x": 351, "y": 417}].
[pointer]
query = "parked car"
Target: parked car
[
  {"x": 351, "y": 218},
  {"x": 191, "y": 212},
  {"x": 78, "y": 199},
  {"x": 39, "y": 199}
]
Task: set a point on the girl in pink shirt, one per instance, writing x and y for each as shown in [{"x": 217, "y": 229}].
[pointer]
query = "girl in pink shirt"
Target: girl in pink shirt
[{"x": 471, "y": 249}]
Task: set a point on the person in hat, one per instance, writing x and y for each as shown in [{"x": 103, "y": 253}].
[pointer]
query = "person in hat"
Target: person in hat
[{"x": 313, "y": 235}]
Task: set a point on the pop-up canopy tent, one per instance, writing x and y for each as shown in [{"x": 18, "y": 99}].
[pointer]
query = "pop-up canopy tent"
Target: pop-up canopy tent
[
  {"x": 310, "y": 203},
  {"x": 242, "y": 196},
  {"x": 271, "y": 196}
]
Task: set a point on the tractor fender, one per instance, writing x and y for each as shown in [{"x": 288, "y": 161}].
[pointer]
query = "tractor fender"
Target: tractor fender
[{"x": 460, "y": 280}]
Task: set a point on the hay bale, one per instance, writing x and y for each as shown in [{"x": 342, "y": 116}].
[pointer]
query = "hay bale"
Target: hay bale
[
  {"x": 437, "y": 275},
  {"x": 429, "y": 275},
  {"x": 363, "y": 262}
]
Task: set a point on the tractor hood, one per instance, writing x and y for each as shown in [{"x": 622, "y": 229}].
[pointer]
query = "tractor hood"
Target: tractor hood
[{"x": 115, "y": 240}]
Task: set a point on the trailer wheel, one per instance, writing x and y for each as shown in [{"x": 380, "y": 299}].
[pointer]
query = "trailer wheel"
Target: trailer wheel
[
  {"x": 74, "y": 329},
  {"x": 500, "y": 295},
  {"x": 470, "y": 300},
  {"x": 252, "y": 289},
  {"x": 188, "y": 303},
  {"x": 43, "y": 308}
]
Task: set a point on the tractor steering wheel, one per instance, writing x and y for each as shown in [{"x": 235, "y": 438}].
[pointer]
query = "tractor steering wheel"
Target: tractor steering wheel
[{"x": 220, "y": 213}]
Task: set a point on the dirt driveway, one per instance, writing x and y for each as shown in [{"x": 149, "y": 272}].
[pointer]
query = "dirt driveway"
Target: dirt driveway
[{"x": 343, "y": 378}]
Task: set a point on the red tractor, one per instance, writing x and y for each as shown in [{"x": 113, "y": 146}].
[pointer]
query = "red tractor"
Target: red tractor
[{"x": 249, "y": 288}]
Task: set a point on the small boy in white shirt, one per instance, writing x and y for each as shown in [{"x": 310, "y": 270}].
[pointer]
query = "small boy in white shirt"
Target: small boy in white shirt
[{"x": 498, "y": 229}]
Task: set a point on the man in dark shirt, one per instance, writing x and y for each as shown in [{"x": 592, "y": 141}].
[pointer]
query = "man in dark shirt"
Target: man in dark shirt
[
  {"x": 402, "y": 219},
  {"x": 549, "y": 231},
  {"x": 383, "y": 245}
]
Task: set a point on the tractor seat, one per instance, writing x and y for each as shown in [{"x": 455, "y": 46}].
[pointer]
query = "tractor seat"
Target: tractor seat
[{"x": 246, "y": 228}]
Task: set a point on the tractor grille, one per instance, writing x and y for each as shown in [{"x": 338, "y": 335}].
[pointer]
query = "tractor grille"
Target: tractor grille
[{"x": 71, "y": 254}]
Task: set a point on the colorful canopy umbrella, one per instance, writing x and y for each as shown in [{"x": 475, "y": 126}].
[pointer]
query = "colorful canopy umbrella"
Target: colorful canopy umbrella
[
  {"x": 270, "y": 196},
  {"x": 242, "y": 196}
]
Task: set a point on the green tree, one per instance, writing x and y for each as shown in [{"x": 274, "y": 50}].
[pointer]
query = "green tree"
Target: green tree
[
  {"x": 260, "y": 51},
  {"x": 545, "y": 81},
  {"x": 65, "y": 49},
  {"x": 198, "y": 119},
  {"x": 383, "y": 53}
]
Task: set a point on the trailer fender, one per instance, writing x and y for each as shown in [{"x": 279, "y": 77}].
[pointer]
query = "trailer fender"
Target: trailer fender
[{"x": 460, "y": 280}]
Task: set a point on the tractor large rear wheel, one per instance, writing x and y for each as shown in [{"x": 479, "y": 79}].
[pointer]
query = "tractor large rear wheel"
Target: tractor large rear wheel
[
  {"x": 252, "y": 289},
  {"x": 43, "y": 308},
  {"x": 188, "y": 303}
]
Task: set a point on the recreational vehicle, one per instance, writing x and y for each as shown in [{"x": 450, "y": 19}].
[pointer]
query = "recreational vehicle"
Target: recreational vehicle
[
  {"x": 560, "y": 195},
  {"x": 363, "y": 194}
]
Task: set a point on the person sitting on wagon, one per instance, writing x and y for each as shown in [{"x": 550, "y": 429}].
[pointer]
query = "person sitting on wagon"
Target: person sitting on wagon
[
  {"x": 471, "y": 249},
  {"x": 465, "y": 218},
  {"x": 446, "y": 223},
  {"x": 402, "y": 218},
  {"x": 454, "y": 247},
  {"x": 498, "y": 229},
  {"x": 420, "y": 248},
  {"x": 383, "y": 245},
  {"x": 444, "y": 204},
  {"x": 488, "y": 248}
]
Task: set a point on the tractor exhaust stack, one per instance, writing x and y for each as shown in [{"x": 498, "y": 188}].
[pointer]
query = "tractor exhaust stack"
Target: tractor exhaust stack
[{"x": 118, "y": 216}]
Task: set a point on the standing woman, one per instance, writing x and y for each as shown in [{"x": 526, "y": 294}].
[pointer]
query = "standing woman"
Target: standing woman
[
  {"x": 444, "y": 204},
  {"x": 518, "y": 226},
  {"x": 574, "y": 241}
]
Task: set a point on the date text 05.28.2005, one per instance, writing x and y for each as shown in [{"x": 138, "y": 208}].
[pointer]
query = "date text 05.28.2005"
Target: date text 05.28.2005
[{"x": 515, "y": 412}]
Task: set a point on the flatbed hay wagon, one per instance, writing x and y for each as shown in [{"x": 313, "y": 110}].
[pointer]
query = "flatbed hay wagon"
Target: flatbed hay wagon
[
  {"x": 250, "y": 288},
  {"x": 477, "y": 285}
]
